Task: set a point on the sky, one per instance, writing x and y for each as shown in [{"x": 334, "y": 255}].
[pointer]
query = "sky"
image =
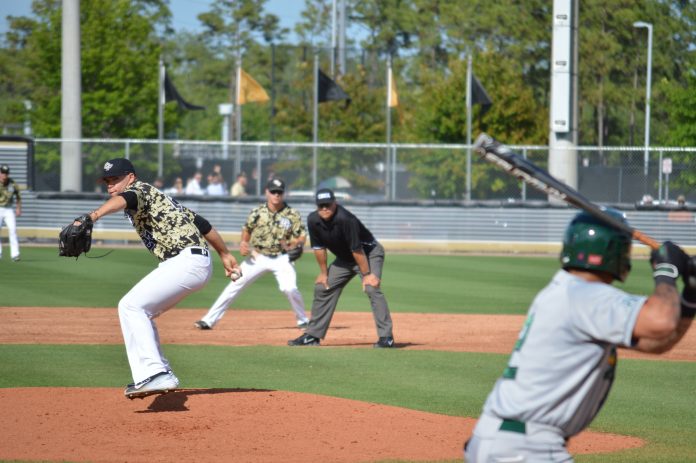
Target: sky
[{"x": 184, "y": 12}]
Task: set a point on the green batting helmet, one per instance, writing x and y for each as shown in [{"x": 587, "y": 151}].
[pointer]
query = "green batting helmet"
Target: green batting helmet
[{"x": 591, "y": 244}]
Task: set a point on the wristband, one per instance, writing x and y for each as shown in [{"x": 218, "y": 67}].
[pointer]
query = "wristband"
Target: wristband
[
  {"x": 367, "y": 273},
  {"x": 666, "y": 273}
]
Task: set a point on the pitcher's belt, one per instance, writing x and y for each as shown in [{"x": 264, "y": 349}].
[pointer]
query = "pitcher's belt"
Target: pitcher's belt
[
  {"x": 199, "y": 251},
  {"x": 267, "y": 253}
]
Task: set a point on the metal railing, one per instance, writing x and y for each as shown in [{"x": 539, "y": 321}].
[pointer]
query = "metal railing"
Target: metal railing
[{"x": 382, "y": 172}]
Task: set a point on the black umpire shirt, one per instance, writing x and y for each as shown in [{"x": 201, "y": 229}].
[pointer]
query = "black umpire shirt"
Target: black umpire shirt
[{"x": 341, "y": 235}]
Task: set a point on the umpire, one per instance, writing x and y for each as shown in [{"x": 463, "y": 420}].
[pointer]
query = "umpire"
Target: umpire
[{"x": 357, "y": 251}]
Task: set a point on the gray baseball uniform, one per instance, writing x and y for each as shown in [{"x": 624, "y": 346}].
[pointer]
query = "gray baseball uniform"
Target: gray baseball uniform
[{"x": 559, "y": 373}]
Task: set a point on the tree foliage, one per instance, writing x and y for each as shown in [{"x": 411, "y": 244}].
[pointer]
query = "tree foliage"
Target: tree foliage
[{"x": 429, "y": 42}]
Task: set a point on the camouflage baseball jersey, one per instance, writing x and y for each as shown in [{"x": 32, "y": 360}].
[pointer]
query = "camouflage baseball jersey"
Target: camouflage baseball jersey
[
  {"x": 270, "y": 230},
  {"x": 8, "y": 192},
  {"x": 165, "y": 226}
]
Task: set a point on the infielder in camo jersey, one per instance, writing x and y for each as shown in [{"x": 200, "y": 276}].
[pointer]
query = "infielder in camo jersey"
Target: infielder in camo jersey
[
  {"x": 270, "y": 230},
  {"x": 9, "y": 193},
  {"x": 179, "y": 238},
  {"x": 564, "y": 361}
]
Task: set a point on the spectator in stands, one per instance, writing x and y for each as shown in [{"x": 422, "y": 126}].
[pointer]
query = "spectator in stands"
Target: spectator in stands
[
  {"x": 681, "y": 213},
  {"x": 215, "y": 187},
  {"x": 681, "y": 202},
  {"x": 217, "y": 169},
  {"x": 238, "y": 189},
  {"x": 159, "y": 183},
  {"x": 193, "y": 185},
  {"x": 177, "y": 188}
]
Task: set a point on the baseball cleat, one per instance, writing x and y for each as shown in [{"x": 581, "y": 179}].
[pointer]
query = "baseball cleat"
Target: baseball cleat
[
  {"x": 303, "y": 325},
  {"x": 201, "y": 325},
  {"x": 304, "y": 340},
  {"x": 386, "y": 342},
  {"x": 161, "y": 383}
]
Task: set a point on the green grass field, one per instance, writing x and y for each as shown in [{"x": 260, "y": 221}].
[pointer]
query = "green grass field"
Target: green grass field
[{"x": 651, "y": 399}]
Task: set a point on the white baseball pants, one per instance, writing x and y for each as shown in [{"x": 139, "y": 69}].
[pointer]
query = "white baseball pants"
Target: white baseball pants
[
  {"x": 156, "y": 293},
  {"x": 8, "y": 215},
  {"x": 536, "y": 444},
  {"x": 252, "y": 268}
]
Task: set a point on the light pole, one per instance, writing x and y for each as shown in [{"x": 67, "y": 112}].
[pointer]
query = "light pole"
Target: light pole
[
  {"x": 649, "y": 27},
  {"x": 225, "y": 111}
]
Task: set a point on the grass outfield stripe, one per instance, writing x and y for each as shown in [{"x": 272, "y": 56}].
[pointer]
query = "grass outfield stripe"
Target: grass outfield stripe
[{"x": 412, "y": 283}]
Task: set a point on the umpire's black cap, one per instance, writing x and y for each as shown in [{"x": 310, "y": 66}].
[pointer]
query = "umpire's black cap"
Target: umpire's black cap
[
  {"x": 117, "y": 167},
  {"x": 325, "y": 196},
  {"x": 4, "y": 169}
]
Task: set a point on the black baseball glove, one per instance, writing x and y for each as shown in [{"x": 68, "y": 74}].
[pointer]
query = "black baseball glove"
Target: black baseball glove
[
  {"x": 76, "y": 239},
  {"x": 295, "y": 253}
]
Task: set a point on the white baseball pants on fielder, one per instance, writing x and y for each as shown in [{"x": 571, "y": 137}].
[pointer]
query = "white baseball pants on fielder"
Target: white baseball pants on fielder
[
  {"x": 157, "y": 292},
  {"x": 252, "y": 268},
  {"x": 8, "y": 215}
]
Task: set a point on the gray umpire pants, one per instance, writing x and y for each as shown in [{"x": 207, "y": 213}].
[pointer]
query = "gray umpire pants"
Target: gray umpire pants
[{"x": 340, "y": 273}]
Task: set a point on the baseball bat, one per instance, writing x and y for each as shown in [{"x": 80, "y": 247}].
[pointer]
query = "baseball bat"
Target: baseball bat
[{"x": 493, "y": 151}]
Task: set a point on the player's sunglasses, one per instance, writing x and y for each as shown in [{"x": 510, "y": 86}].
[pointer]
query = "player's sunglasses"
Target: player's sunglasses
[
  {"x": 324, "y": 206},
  {"x": 276, "y": 192}
]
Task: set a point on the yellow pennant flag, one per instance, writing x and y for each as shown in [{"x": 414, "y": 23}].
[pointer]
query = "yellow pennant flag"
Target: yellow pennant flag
[
  {"x": 392, "y": 96},
  {"x": 249, "y": 90}
]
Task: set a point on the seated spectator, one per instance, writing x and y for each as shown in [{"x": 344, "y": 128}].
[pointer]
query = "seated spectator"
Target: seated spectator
[
  {"x": 215, "y": 187},
  {"x": 193, "y": 185},
  {"x": 680, "y": 214},
  {"x": 238, "y": 189},
  {"x": 158, "y": 183},
  {"x": 681, "y": 202},
  {"x": 217, "y": 169},
  {"x": 177, "y": 188}
]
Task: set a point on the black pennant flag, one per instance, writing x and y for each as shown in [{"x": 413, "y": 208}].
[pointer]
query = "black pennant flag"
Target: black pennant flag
[
  {"x": 171, "y": 94},
  {"x": 479, "y": 95},
  {"x": 330, "y": 90}
]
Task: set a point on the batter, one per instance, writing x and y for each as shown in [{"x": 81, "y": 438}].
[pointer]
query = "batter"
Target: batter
[{"x": 564, "y": 361}]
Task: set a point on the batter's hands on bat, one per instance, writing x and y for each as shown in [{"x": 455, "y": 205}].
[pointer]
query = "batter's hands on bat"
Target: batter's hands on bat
[
  {"x": 689, "y": 292},
  {"x": 322, "y": 279},
  {"x": 669, "y": 261}
]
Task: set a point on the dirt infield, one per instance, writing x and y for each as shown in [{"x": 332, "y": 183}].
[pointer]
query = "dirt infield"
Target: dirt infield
[{"x": 99, "y": 425}]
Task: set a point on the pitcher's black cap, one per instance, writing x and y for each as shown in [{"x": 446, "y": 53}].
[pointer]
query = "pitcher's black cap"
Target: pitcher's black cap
[{"x": 117, "y": 167}]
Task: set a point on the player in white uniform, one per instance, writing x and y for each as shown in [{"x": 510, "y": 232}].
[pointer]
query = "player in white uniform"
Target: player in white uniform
[
  {"x": 270, "y": 230},
  {"x": 178, "y": 237},
  {"x": 563, "y": 364},
  {"x": 9, "y": 192}
]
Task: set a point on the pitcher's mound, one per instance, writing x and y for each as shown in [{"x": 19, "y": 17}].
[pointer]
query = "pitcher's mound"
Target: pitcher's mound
[{"x": 222, "y": 425}]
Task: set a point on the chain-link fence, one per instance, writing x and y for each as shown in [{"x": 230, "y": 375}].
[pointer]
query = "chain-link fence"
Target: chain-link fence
[{"x": 381, "y": 172}]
